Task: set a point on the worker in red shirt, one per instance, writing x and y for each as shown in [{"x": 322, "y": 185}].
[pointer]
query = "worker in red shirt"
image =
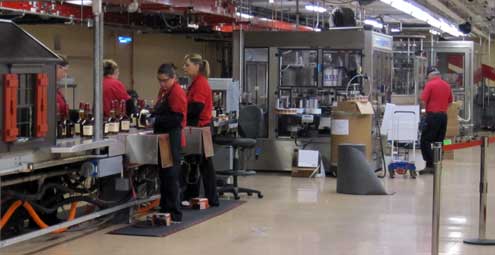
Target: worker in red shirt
[
  {"x": 113, "y": 89},
  {"x": 199, "y": 108},
  {"x": 170, "y": 114},
  {"x": 436, "y": 98},
  {"x": 62, "y": 106}
]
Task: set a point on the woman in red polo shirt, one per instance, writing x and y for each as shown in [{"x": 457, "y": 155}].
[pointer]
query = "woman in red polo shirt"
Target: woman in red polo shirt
[
  {"x": 199, "y": 108},
  {"x": 113, "y": 88},
  {"x": 170, "y": 117}
]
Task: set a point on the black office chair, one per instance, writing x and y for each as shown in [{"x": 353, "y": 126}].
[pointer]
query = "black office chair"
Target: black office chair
[{"x": 250, "y": 124}]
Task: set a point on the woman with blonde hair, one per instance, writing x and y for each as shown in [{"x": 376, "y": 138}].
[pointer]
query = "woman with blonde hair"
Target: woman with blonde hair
[
  {"x": 199, "y": 108},
  {"x": 113, "y": 88}
]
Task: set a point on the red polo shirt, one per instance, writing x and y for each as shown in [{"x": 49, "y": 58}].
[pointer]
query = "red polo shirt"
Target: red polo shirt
[
  {"x": 437, "y": 95},
  {"x": 62, "y": 106},
  {"x": 113, "y": 89},
  {"x": 177, "y": 101},
  {"x": 200, "y": 92}
]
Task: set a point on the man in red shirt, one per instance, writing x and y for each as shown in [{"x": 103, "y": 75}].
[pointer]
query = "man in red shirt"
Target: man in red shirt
[
  {"x": 113, "y": 89},
  {"x": 436, "y": 98}
]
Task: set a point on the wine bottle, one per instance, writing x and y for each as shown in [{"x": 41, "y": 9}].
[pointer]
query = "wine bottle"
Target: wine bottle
[
  {"x": 89, "y": 123},
  {"x": 69, "y": 126},
  {"x": 113, "y": 122},
  {"x": 78, "y": 125},
  {"x": 125, "y": 123}
]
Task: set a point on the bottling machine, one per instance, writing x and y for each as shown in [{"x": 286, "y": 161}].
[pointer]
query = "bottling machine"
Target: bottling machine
[
  {"x": 296, "y": 78},
  {"x": 46, "y": 182}
]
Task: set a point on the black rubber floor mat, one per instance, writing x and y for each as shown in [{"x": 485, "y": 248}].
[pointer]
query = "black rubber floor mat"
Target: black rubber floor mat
[{"x": 190, "y": 217}]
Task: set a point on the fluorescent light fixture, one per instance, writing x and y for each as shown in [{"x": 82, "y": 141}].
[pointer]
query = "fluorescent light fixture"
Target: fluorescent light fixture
[
  {"x": 244, "y": 15},
  {"x": 124, "y": 39},
  {"x": 265, "y": 19},
  {"x": 193, "y": 26},
  {"x": 315, "y": 8},
  {"x": 373, "y": 23},
  {"x": 420, "y": 14},
  {"x": 395, "y": 30},
  {"x": 271, "y": 1},
  {"x": 80, "y": 2},
  {"x": 317, "y": 29}
]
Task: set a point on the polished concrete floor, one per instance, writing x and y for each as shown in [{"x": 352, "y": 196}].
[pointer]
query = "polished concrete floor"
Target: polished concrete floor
[{"x": 307, "y": 216}]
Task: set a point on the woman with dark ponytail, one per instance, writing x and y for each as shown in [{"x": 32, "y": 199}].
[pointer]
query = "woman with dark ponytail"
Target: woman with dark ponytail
[
  {"x": 200, "y": 106},
  {"x": 170, "y": 118}
]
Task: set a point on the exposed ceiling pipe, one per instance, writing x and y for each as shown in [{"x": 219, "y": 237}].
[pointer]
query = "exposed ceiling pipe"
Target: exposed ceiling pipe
[
  {"x": 440, "y": 6},
  {"x": 462, "y": 6}
]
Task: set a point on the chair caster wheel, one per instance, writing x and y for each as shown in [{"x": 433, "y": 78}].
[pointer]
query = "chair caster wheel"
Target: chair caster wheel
[
  {"x": 260, "y": 196},
  {"x": 237, "y": 197},
  {"x": 250, "y": 194}
]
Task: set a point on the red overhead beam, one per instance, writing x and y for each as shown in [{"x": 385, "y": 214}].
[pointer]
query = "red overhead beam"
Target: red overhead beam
[{"x": 218, "y": 13}]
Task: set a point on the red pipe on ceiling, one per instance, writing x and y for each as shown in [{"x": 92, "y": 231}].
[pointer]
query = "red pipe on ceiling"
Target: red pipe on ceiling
[{"x": 217, "y": 13}]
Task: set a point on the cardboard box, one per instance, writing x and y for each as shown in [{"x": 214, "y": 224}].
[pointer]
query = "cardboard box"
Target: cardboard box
[
  {"x": 159, "y": 219},
  {"x": 351, "y": 123},
  {"x": 452, "y": 121},
  {"x": 302, "y": 171},
  {"x": 200, "y": 203}
]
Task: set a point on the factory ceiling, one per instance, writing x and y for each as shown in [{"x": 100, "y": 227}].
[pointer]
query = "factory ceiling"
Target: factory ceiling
[{"x": 226, "y": 15}]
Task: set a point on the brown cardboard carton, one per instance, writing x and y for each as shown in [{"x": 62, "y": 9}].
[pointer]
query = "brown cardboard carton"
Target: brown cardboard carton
[
  {"x": 165, "y": 151},
  {"x": 452, "y": 121},
  {"x": 351, "y": 123},
  {"x": 302, "y": 171},
  {"x": 200, "y": 203}
]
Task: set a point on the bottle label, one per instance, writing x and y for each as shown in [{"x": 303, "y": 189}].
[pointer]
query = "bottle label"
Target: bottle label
[
  {"x": 114, "y": 127},
  {"x": 88, "y": 130},
  {"x": 77, "y": 129},
  {"x": 106, "y": 128},
  {"x": 133, "y": 121},
  {"x": 125, "y": 125}
]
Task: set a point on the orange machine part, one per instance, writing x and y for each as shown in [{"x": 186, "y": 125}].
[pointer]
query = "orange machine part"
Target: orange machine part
[
  {"x": 41, "y": 105},
  {"x": 10, "y": 86}
]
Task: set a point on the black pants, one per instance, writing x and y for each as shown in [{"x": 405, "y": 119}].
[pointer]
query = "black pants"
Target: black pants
[
  {"x": 209, "y": 178},
  {"x": 169, "y": 179},
  {"x": 433, "y": 131}
]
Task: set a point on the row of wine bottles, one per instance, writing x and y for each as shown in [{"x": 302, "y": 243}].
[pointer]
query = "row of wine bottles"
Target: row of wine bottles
[{"x": 118, "y": 121}]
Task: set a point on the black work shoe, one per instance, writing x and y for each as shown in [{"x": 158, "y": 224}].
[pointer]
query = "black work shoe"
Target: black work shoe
[{"x": 427, "y": 170}]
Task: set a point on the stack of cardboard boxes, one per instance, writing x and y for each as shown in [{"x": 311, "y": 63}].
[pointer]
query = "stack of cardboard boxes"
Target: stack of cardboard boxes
[
  {"x": 352, "y": 124},
  {"x": 452, "y": 126}
]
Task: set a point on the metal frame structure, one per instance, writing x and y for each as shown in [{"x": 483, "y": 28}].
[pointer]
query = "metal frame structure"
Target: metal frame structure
[
  {"x": 371, "y": 44},
  {"x": 467, "y": 49}
]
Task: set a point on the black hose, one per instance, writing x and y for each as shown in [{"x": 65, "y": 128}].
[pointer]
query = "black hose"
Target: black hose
[
  {"x": 39, "y": 195},
  {"x": 98, "y": 202},
  {"x": 69, "y": 200}
]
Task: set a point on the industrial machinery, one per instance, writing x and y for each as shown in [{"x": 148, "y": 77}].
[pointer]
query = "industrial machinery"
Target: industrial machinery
[
  {"x": 297, "y": 77},
  {"x": 410, "y": 65},
  {"x": 44, "y": 181}
]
